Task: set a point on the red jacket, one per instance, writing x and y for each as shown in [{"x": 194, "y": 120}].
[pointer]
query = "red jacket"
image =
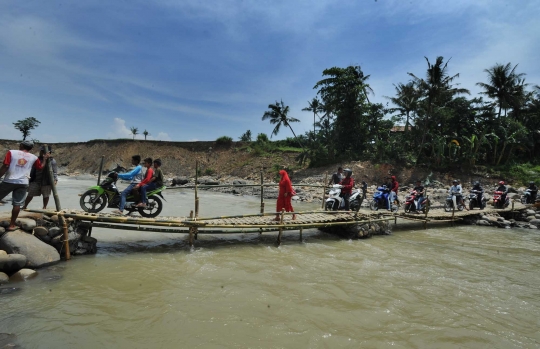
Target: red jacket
[
  {"x": 395, "y": 186},
  {"x": 347, "y": 185},
  {"x": 147, "y": 177}
]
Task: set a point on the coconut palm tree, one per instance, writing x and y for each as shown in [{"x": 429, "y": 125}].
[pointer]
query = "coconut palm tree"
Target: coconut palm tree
[
  {"x": 437, "y": 90},
  {"x": 145, "y": 133},
  {"x": 314, "y": 106},
  {"x": 278, "y": 115},
  {"x": 134, "y": 131},
  {"x": 406, "y": 99},
  {"x": 359, "y": 75},
  {"x": 504, "y": 85}
]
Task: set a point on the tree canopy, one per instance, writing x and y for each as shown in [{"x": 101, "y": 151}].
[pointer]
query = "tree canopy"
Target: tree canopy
[{"x": 26, "y": 125}]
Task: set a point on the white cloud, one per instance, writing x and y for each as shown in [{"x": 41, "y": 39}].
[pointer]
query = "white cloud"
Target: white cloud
[{"x": 119, "y": 129}]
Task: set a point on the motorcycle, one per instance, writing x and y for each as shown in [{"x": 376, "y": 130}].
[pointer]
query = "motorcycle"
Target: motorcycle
[
  {"x": 380, "y": 199},
  {"x": 411, "y": 203},
  {"x": 497, "y": 202},
  {"x": 473, "y": 200},
  {"x": 106, "y": 194},
  {"x": 527, "y": 197},
  {"x": 336, "y": 202},
  {"x": 449, "y": 203}
]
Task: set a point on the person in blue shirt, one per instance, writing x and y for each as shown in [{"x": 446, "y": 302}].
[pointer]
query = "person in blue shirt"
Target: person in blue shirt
[{"x": 135, "y": 176}]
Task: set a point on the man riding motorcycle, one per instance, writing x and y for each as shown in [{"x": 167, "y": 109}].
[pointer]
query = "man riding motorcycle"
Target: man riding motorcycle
[
  {"x": 347, "y": 185},
  {"x": 419, "y": 188},
  {"x": 504, "y": 190},
  {"x": 457, "y": 193},
  {"x": 479, "y": 191}
]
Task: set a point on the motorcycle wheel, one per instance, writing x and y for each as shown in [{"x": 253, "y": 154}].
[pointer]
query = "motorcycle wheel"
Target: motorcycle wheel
[
  {"x": 523, "y": 199},
  {"x": 471, "y": 205},
  {"x": 153, "y": 207},
  {"x": 374, "y": 205},
  {"x": 408, "y": 208},
  {"x": 329, "y": 206},
  {"x": 460, "y": 207},
  {"x": 355, "y": 205},
  {"x": 91, "y": 202},
  {"x": 395, "y": 207},
  {"x": 448, "y": 206}
]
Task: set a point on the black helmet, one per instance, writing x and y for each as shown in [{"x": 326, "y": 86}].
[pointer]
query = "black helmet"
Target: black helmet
[
  {"x": 347, "y": 170},
  {"x": 531, "y": 183},
  {"x": 455, "y": 181},
  {"x": 476, "y": 183}
]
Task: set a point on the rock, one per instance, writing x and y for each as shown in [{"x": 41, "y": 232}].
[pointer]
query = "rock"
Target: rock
[
  {"x": 512, "y": 196},
  {"x": 3, "y": 253},
  {"x": 54, "y": 232},
  {"x": 9, "y": 290},
  {"x": 4, "y": 224},
  {"x": 535, "y": 222},
  {"x": 23, "y": 275},
  {"x": 531, "y": 226},
  {"x": 38, "y": 253},
  {"x": 537, "y": 216},
  {"x": 4, "y": 278},
  {"x": 11, "y": 263},
  {"x": 26, "y": 224},
  {"x": 54, "y": 219},
  {"x": 530, "y": 212},
  {"x": 40, "y": 231},
  {"x": 483, "y": 223},
  {"x": 180, "y": 181},
  {"x": 295, "y": 197},
  {"x": 239, "y": 182},
  {"x": 500, "y": 219},
  {"x": 2, "y": 230},
  {"x": 45, "y": 238}
]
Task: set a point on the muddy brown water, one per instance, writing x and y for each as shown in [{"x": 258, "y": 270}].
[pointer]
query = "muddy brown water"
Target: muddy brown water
[{"x": 444, "y": 287}]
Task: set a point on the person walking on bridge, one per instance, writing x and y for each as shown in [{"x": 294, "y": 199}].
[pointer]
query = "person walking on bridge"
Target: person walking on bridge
[{"x": 285, "y": 195}]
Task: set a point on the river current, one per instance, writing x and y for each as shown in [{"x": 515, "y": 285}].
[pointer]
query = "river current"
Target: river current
[{"x": 444, "y": 287}]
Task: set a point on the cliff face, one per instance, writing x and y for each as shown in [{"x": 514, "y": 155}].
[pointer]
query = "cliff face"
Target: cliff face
[{"x": 178, "y": 158}]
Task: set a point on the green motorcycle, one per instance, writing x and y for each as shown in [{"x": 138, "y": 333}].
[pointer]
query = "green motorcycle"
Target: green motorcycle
[{"x": 106, "y": 194}]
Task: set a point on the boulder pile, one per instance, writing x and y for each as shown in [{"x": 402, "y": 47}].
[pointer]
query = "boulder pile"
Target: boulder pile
[{"x": 38, "y": 243}]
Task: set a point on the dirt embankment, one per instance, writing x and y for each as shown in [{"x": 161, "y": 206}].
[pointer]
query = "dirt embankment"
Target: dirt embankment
[{"x": 237, "y": 161}]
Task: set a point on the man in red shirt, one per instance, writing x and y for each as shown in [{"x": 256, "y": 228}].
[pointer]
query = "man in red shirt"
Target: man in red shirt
[
  {"x": 347, "y": 185},
  {"x": 16, "y": 167}
]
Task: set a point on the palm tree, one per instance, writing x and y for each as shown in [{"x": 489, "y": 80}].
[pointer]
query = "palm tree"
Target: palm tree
[
  {"x": 504, "y": 85},
  {"x": 134, "y": 131},
  {"x": 145, "y": 133},
  {"x": 278, "y": 116},
  {"x": 437, "y": 89},
  {"x": 314, "y": 106},
  {"x": 406, "y": 99},
  {"x": 359, "y": 75}
]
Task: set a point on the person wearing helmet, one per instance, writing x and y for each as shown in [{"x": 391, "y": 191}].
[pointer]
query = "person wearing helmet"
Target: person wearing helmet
[
  {"x": 534, "y": 191},
  {"x": 457, "y": 192},
  {"x": 347, "y": 185},
  {"x": 504, "y": 189},
  {"x": 479, "y": 191},
  {"x": 419, "y": 189},
  {"x": 16, "y": 169},
  {"x": 394, "y": 185}
]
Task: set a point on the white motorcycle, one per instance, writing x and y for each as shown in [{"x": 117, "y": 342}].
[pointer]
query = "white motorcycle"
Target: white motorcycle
[{"x": 336, "y": 202}]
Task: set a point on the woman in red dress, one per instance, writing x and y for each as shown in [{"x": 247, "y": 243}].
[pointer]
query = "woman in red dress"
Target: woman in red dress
[{"x": 285, "y": 195}]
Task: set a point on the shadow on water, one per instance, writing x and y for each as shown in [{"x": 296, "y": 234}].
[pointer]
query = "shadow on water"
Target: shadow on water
[{"x": 211, "y": 242}]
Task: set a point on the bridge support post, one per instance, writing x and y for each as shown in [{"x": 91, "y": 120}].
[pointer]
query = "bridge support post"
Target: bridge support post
[
  {"x": 324, "y": 188},
  {"x": 262, "y": 193},
  {"x": 301, "y": 234},
  {"x": 280, "y": 228}
]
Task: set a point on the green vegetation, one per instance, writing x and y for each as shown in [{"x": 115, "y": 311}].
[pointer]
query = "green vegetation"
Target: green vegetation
[
  {"x": 209, "y": 171},
  {"x": 25, "y": 125},
  {"x": 246, "y": 137},
  {"x": 224, "y": 141},
  {"x": 442, "y": 128},
  {"x": 134, "y": 131},
  {"x": 146, "y": 134}
]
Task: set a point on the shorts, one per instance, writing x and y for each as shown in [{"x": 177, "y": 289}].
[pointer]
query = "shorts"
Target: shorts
[
  {"x": 18, "y": 192},
  {"x": 35, "y": 189}
]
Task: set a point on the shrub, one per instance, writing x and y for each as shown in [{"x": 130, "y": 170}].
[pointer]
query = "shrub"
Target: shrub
[{"x": 224, "y": 141}]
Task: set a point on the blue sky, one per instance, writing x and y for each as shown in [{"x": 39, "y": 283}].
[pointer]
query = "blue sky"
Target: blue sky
[{"x": 196, "y": 70}]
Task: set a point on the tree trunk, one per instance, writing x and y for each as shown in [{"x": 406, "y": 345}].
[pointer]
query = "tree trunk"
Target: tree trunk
[
  {"x": 502, "y": 153},
  {"x": 407, "y": 122}
]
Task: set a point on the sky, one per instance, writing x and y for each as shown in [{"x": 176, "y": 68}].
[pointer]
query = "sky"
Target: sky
[{"x": 192, "y": 70}]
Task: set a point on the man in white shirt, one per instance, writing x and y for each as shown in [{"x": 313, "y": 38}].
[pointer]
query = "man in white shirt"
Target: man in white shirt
[{"x": 16, "y": 167}]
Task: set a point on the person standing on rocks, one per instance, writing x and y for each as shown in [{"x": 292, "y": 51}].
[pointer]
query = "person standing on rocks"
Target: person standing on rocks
[
  {"x": 16, "y": 167},
  {"x": 337, "y": 177},
  {"x": 285, "y": 195},
  {"x": 40, "y": 181},
  {"x": 135, "y": 176}
]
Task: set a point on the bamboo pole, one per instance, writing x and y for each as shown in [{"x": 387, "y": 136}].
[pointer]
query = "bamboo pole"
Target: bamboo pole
[
  {"x": 66, "y": 239},
  {"x": 453, "y": 212},
  {"x": 262, "y": 193},
  {"x": 100, "y": 169},
  {"x": 324, "y": 189},
  {"x": 61, "y": 219},
  {"x": 196, "y": 192},
  {"x": 281, "y": 228},
  {"x": 301, "y": 234}
]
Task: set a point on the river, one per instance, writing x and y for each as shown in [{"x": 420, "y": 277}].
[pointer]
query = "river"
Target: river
[{"x": 444, "y": 287}]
